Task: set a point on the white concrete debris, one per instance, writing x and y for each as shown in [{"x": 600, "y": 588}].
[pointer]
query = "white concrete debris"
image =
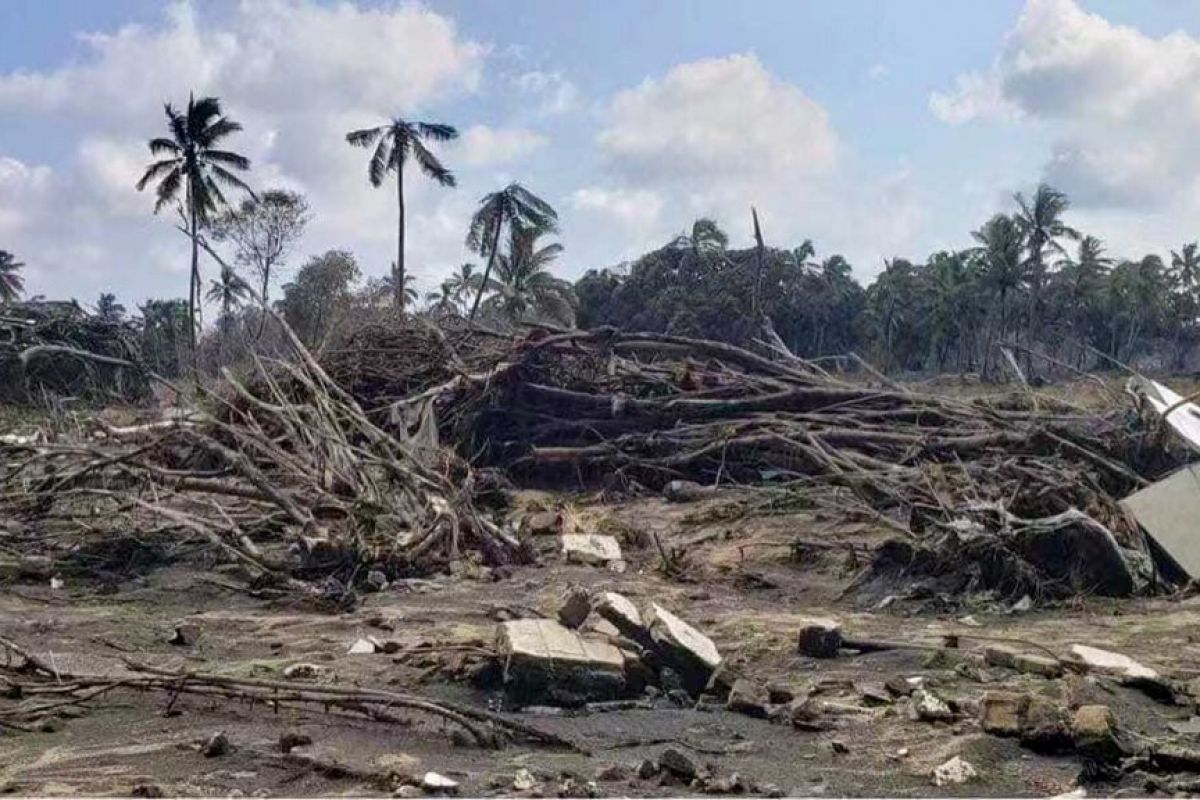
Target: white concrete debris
[
  {"x": 1184, "y": 418},
  {"x": 955, "y": 771},
  {"x": 433, "y": 782},
  {"x": 544, "y": 640},
  {"x": 671, "y": 630},
  {"x": 1108, "y": 661},
  {"x": 361, "y": 646},
  {"x": 592, "y": 548},
  {"x": 619, "y": 610}
]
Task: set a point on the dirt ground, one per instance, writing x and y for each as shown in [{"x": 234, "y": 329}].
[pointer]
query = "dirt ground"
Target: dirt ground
[{"x": 746, "y": 587}]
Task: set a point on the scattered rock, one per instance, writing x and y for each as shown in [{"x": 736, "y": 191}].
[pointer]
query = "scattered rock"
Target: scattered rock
[
  {"x": 779, "y": 694},
  {"x": 147, "y": 790},
  {"x": 808, "y": 714},
  {"x": 623, "y": 615},
  {"x": 364, "y": 645},
  {"x": 408, "y": 790},
  {"x": 290, "y": 739},
  {"x": 874, "y": 694},
  {"x": 186, "y": 635},
  {"x": 1111, "y": 663},
  {"x": 216, "y": 745},
  {"x": 1096, "y": 736},
  {"x": 1032, "y": 664},
  {"x": 1000, "y": 655},
  {"x": 575, "y": 607},
  {"x": 929, "y": 707},
  {"x": 591, "y": 548},
  {"x": 954, "y": 772},
  {"x": 731, "y": 784},
  {"x": 433, "y": 783},
  {"x": 647, "y": 769},
  {"x": 1046, "y": 726},
  {"x": 1001, "y": 713},
  {"x": 767, "y": 790},
  {"x": 303, "y": 672},
  {"x": 692, "y": 653},
  {"x": 1022, "y": 605},
  {"x": 376, "y": 581},
  {"x": 900, "y": 686},
  {"x": 678, "y": 764},
  {"x": 523, "y": 781},
  {"x": 542, "y": 523},
  {"x": 685, "y": 491},
  {"x": 746, "y": 697},
  {"x": 820, "y": 638},
  {"x": 611, "y": 773}
]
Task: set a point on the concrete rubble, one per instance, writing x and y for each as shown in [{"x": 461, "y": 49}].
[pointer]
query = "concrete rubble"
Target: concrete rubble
[
  {"x": 954, "y": 772},
  {"x": 593, "y": 549},
  {"x": 1108, "y": 662},
  {"x": 541, "y": 655}
]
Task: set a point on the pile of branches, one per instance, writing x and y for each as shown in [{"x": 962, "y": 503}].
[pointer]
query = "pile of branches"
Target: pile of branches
[
  {"x": 289, "y": 477},
  {"x": 1021, "y": 491},
  {"x": 56, "y": 349}
]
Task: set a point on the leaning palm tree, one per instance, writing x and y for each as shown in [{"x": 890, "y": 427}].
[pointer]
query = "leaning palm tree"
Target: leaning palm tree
[
  {"x": 523, "y": 284},
  {"x": 230, "y": 291},
  {"x": 197, "y": 168},
  {"x": 11, "y": 282},
  {"x": 394, "y": 143},
  {"x": 514, "y": 206}
]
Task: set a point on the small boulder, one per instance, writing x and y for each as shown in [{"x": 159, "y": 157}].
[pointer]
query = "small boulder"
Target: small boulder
[
  {"x": 591, "y": 548},
  {"x": 541, "y": 523},
  {"x": 1095, "y": 733},
  {"x": 746, "y": 697},
  {"x": 647, "y": 769},
  {"x": 1000, "y": 655},
  {"x": 611, "y": 773},
  {"x": 376, "y": 581},
  {"x": 290, "y": 739},
  {"x": 928, "y": 707},
  {"x": 820, "y": 638},
  {"x": 1046, "y": 726},
  {"x": 1032, "y": 664},
  {"x": 186, "y": 634},
  {"x": 303, "y": 672},
  {"x": 216, "y": 745},
  {"x": 954, "y": 772},
  {"x": 434, "y": 783},
  {"x": 688, "y": 650},
  {"x": 575, "y": 607},
  {"x": 1001, "y": 712},
  {"x": 523, "y": 781},
  {"x": 678, "y": 764}
]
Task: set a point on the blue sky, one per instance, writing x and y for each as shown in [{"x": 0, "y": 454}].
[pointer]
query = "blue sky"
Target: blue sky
[{"x": 877, "y": 129}]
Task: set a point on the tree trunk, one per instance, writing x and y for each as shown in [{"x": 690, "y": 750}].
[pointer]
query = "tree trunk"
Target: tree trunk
[
  {"x": 487, "y": 272},
  {"x": 398, "y": 277},
  {"x": 193, "y": 280}
]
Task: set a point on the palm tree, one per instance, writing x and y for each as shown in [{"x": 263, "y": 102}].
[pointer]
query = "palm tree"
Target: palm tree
[
  {"x": 11, "y": 282},
  {"x": 523, "y": 284},
  {"x": 229, "y": 291},
  {"x": 1040, "y": 222},
  {"x": 107, "y": 308},
  {"x": 394, "y": 143},
  {"x": 461, "y": 282},
  {"x": 1002, "y": 271},
  {"x": 196, "y": 167},
  {"x": 1185, "y": 267},
  {"x": 514, "y": 206},
  {"x": 704, "y": 238}
]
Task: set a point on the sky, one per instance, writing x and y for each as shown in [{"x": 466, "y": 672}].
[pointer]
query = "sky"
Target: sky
[{"x": 877, "y": 129}]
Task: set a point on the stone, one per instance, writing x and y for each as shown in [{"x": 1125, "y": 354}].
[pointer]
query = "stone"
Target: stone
[
  {"x": 1111, "y": 663},
  {"x": 542, "y": 523},
  {"x": 1022, "y": 605},
  {"x": 820, "y": 638},
  {"x": 678, "y": 764},
  {"x": 611, "y": 773},
  {"x": 689, "y": 651},
  {"x": 290, "y": 739},
  {"x": 647, "y": 769},
  {"x": 1000, "y": 655},
  {"x": 376, "y": 581},
  {"x": 928, "y": 707},
  {"x": 590, "y": 548},
  {"x": 874, "y": 694},
  {"x": 363, "y": 645},
  {"x": 523, "y": 781},
  {"x": 954, "y": 772},
  {"x": 1032, "y": 664},
  {"x": 899, "y": 686},
  {"x": 746, "y": 697},
  {"x": 1095, "y": 733},
  {"x": 685, "y": 491},
  {"x": 575, "y": 607},
  {"x": 186, "y": 634},
  {"x": 147, "y": 790},
  {"x": 1001, "y": 713},
  {"x": 780, "y": 694},
  {"x": 1045, "y": 727},
  {"x": 541, "y": 654},
  {"x": 303, "y": 672},
  {"x": 216, "y": 745},
  {"x": 808, "y": 714},
  {"x": 433, "y": 783},
  {"x": 408, "y": 791}
]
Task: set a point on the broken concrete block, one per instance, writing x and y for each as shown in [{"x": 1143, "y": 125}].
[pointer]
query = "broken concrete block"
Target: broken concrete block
[
  {"x": 1033, "y": 664},
  {"x": 1111, "y": 663},
  {"x": 688, "y": 650},
  {"x": 1000, "y": 655},
  {"x": 929, "y": 707},
  {"x": 591, "y": 548},
  {"x": 623, "y": 614},
  {"x": 540, "y": 654},
  {"x": 1001, "y": 713},
  {"x": 1167, "y": 511},
  {"x": 747, "y": 697},
  {"x": 820, "y": 638},
  {"x": 1046, "y": 726},
  {"x": 576, "y": 605},
  {"x": 433, "y": 783},
  {"x": 1095, "y": 733},
  {"x": 954, "y": 772}
]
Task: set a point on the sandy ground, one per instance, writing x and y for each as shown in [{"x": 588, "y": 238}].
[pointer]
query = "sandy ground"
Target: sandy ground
[{"x": 744, "y": 586}]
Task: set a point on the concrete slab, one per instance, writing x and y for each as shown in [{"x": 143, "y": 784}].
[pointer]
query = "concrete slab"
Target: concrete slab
[
  {"x": 1108, "y": 661},
  {"x": 591, "y": 548},
  {"x": 1169, "y": 511},
  {"x": 547, "y": 641},
  {"x": 674, "y": 632}
]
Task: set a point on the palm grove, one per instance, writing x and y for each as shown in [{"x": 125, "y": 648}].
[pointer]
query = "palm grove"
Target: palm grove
[{"x": 1028, "y": 280}]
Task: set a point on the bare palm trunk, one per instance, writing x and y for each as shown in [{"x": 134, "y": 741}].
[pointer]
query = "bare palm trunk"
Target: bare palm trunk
[
  {"x": 262, "y": 315},
  {"x": 487, "y": 272},
  {"x": 399, "y": 276},
  {"x": 193, "y": 280}
]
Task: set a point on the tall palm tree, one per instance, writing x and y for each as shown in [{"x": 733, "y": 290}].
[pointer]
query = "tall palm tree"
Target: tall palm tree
[
  {"x": 195, "y": 166},
  {"x": 514, "y": 206},
  {"x": 11, "y": 282},
  {"x": 108, "y": 308},
  {"x": 1039, "y": 220},
  {"x": 1002, "y": 270},
  {"x": 1185, "y": 267},
  {"x": 523, "y": 284},
  {"x": 230, "y": 291},
  {"x": 466, "y": 279},
  {"x": 394, "y": 143}
]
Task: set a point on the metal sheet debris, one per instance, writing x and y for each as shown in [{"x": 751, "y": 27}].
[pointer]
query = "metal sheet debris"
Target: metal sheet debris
[
  {"x": 1169, "y": 511},
  {"x": 1184, "y": 418}
]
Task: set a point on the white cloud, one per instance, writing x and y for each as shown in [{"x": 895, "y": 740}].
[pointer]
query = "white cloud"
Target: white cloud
[
  {"x": 297, "y": 75},
  {"x": 878, "y": 72},
  {"x": 712, "y": 138},
  {"x": 22, "y": 190},
  {"x": 553, "y": 92},
  {"x": 1123, "y": 107},
  {"x": 480, "y": 144}
]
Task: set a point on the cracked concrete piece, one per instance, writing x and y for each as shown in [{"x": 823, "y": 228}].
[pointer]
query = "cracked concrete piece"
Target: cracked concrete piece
[{"x": 590, "y": 548}]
